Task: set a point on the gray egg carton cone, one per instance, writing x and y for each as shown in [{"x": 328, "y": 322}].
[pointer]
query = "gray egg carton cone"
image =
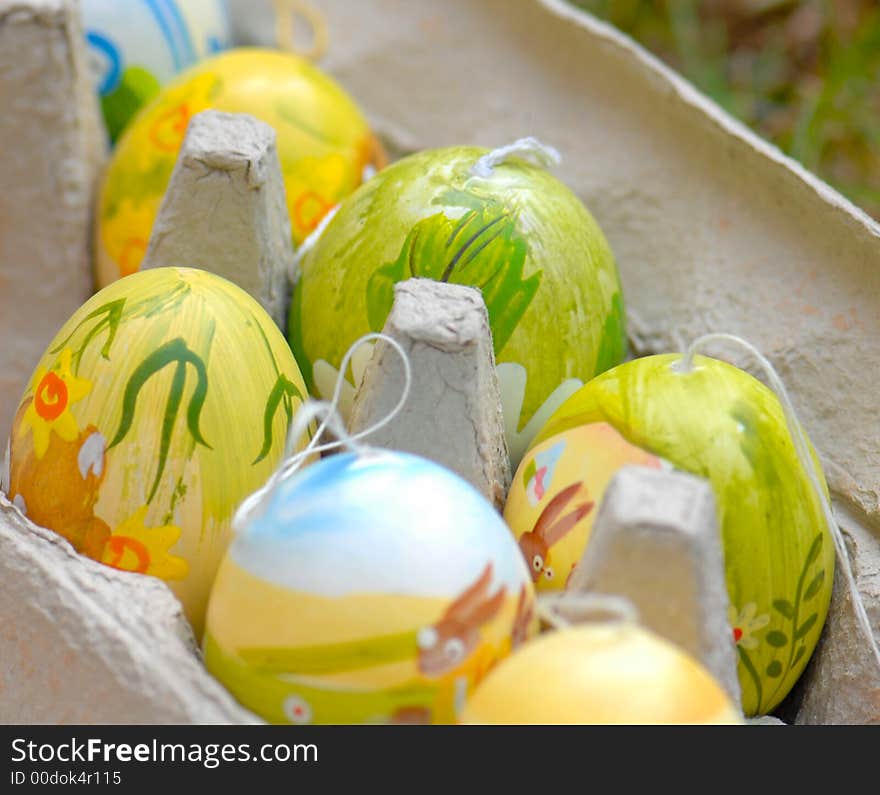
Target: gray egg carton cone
[{"x": 713, "y": 230}]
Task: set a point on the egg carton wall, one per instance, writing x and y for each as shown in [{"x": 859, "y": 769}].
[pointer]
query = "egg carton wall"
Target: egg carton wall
[
  {"x": 81, "y": 643},
  {"x": 698, "y": 210},
  {"x": 50, "y": 162}
]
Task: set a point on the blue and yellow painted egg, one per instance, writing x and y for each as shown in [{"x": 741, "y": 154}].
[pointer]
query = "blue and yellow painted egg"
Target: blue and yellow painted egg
[
  {"x": 137, "y": 46},
  {"x": 160, "y": 405},
  {"x": 373, "y": 587}
]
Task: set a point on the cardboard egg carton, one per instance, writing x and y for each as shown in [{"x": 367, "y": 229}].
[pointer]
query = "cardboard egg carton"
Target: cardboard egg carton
[{"x": 713, "y": 230}]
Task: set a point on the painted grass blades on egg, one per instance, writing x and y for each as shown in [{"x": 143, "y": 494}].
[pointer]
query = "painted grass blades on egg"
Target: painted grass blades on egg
[
  {"x": 111, "y": 315},
  {"x": 281, "y": 393},
  {"x": 612, "y": 348},
  {"x": 331, "y": 658},
  {"x": 482, "y": 249},
  {"x": 175, "y": 350}
]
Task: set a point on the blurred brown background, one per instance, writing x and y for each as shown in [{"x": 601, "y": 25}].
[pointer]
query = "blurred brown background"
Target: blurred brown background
[{"x": 805, "y": 74}]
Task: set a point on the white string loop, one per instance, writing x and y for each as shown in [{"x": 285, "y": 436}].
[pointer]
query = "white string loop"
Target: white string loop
[
  {"x": 287, "y": 12},
  {"x": 308, "y": 244},
  {"x": 529, "y": 148},
  {"x": 558, "y": 609},
  {"x": 330, "y": 420},
  {"x": 802, "y": 449}
]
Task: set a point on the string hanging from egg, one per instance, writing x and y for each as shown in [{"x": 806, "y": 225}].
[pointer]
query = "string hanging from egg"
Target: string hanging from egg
[
  {"x": 528, "y": 148},
  {"x": 286, "y": 14},
  {"x": 330, "y": 420},
  {"x": 563, "y": 609},
  {"x": 308, "y": 244},
  {"x": 801, "y": 445}
]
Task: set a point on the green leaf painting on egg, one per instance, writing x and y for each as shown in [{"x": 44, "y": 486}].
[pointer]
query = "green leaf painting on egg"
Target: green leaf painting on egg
[
  {"x": 789, "y": 642},
  {"x": 612, "y": 348},
  {"x": 481, "y": 249},
  {"x": 110, "y": 315},
  {"x": 720, "y": 423},
  {"x": 173, "y": 352},
  {"x": 282, "y": 393}
]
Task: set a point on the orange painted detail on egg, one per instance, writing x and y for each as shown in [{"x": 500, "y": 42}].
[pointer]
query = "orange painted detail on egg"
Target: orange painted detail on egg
[
  {"x": 50, "y": 397},
  {"x": 53, "y": 392},
  {"x": 117, "y": 546},
  {"x": 309, "y": 209},
  {"x": 552, "y": 526},
  {"x": 60, "y": 490},
  {"x": 55, "y": 490},
  {"x": 132, "y": 253},
  {"x": 447, "y": 644},
  {"x": 169, "y": 129},
  {"x": 323, "y": 146}
]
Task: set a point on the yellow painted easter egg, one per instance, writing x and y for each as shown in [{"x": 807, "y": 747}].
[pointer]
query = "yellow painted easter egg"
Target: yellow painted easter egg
[
  {"x": 372, "y": 587},
  {"x": 609, "y": 673},
  {"x": 556, "y": 492},
  {"x": 324, "y": 145},
  {"x": 158, "y": 407}
]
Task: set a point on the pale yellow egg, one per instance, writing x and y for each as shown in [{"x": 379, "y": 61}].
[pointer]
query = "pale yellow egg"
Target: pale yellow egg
[{"x": 613, "y": 673}]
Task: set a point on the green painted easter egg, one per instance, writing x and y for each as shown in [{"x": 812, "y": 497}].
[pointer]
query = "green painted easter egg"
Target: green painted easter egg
[
  {"x": 159, "y": 406},
  {"x": 518, "y": 234},
  {"x": 720, "y": 423}
]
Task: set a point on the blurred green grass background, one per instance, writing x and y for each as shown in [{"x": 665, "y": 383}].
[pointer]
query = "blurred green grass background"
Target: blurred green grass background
[{"x": 805, "y": 74}]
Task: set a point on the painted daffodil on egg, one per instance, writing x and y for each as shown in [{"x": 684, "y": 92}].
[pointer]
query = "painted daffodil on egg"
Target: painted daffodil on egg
[
  {"x": 136, "y": 547},
  {"x": 55, "y": 390}
]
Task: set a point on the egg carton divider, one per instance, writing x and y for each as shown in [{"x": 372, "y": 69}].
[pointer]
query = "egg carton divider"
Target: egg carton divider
[
  {"x": 655, "y": 542},
  {"x": 452, "y": 413},
  {"x": 225, "y": 205},
  {"x": 52, "y": 152}
]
